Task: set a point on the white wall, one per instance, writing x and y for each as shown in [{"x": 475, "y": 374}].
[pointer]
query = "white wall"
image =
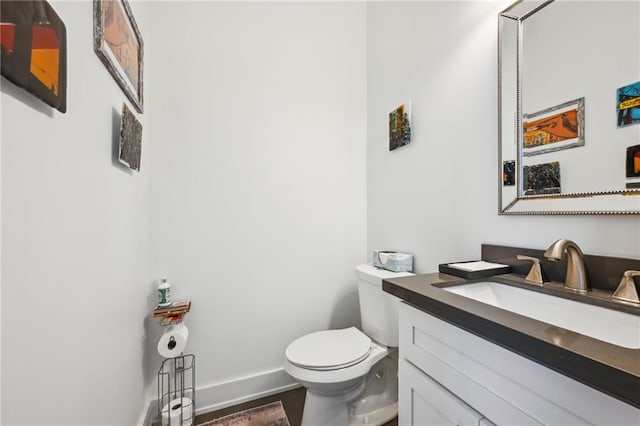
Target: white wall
[
  {"x": 253, "y": 182},
  {"x": 257, "y": 199},
  {"x": 74, "y": 248},
  {"x": 437, "y": 197}
]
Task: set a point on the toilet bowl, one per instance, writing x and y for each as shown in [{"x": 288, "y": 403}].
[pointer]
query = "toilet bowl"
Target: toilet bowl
[{"x": 351, "y": 375}]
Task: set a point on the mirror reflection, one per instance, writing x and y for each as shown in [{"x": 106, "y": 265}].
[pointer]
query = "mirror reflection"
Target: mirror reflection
[{"x": 570, "y": 107}]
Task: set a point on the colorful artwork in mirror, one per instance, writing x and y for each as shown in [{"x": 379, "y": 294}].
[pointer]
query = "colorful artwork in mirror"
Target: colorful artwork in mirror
[
  {"x": 633, "y": 161},
  {"x": 628, "y": 105},
  {"x": 542, "y": 179},
  {"x": 509, "y": 173},
  {"x": 553, "y": 129}
]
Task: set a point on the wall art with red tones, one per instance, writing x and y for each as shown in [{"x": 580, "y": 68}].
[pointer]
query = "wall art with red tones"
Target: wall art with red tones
[
  {"x": 33, "y": 40},
  {"x": 633, "y": 161}
]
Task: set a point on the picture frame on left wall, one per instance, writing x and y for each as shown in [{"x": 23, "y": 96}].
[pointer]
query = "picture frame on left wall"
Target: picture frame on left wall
[
  {"x": 130, "y": 146},
  {"x": 33, "y": 41},
  {"x": 118, "y": 43}
]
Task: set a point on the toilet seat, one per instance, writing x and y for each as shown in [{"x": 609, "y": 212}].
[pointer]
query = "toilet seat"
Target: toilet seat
[
  {"x": 329, "y": 349},
  {"x": 321, "y": 378}
]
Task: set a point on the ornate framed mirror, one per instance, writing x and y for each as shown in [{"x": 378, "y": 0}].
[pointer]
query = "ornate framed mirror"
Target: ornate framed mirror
[{"x": 569, "y": 107}]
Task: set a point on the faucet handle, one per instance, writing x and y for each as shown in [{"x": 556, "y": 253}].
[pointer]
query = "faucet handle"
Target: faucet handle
[
  {"x": 626, "y": 290},
  {"x": 535, "y": 274}
]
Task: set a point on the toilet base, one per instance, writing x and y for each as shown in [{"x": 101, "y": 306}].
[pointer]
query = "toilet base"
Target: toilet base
[
  {"x": 376, "y": 417},
  {"x": 324, "y": 410},
  {"x": 334, "y": 411},
  {"x": 373, "y": 401},
  {"x": 378, "y": 403}
]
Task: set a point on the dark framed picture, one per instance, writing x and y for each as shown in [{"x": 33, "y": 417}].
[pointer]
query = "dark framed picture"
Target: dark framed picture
[
  {"x": 633, "y": 161},
  {"x": 553, "y": 129},
  {"x": 118, "y": 43},
  {"x": 509, "y": 173},
  {"x": 400, "y": 126},
  {"x": 130, "y": 151},
  {"x": 34, "y": 50},
  {"x": 542, "y": 179}
]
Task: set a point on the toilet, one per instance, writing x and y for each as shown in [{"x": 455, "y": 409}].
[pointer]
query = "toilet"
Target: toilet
[{"x": 351, "y": 376}]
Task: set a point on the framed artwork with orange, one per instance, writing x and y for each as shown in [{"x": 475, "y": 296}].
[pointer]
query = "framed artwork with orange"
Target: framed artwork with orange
[
  {"x": 553, "y": 129},
  {"x": 633, "y": 161},
  {"x": 118, "y": 43},
  {"x": 33, "y": 40}
]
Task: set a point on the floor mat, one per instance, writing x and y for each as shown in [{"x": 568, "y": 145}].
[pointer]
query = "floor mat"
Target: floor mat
[{"x": 266, "y": 415}]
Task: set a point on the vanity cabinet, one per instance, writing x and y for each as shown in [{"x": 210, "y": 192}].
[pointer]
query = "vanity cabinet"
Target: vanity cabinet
[
  {"x": 424, "y": 402},
  {"x": 450, "y": 376}
]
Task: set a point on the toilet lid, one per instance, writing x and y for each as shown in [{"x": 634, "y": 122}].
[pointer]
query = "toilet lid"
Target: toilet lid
[{"x": 329, "y": 349}]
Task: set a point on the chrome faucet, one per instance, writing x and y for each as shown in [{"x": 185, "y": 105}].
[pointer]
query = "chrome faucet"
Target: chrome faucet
[{"x": 576, "y": 278}]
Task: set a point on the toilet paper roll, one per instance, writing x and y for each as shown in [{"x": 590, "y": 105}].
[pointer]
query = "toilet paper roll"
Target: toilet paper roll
[
  {"x": 173, "y": 340},
  {"x": 171, "y": 412}
]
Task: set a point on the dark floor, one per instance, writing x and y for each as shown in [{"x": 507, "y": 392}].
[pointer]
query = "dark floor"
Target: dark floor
[{"x": 293, "y": 402}]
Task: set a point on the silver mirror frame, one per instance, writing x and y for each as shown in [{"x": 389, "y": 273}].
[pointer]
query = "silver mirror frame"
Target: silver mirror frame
[{"x": 578, "y": 202}]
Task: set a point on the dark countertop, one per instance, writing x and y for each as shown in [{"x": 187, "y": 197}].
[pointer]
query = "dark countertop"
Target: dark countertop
[{"x": 608, "y": 368}]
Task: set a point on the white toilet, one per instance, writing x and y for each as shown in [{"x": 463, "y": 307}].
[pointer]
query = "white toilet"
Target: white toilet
[{"x": 352, "y": 377}]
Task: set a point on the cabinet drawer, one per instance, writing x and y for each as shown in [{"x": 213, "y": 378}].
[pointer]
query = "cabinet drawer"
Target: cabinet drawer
[
  {"x": 425, "y": 402},
  {"x": 433, "y": 347}
]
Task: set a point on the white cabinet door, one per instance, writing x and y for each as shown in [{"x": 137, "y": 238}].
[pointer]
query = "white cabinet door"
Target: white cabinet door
[
  {"x": 505, "y": 387},
  {"x": 424, "y": 402}
]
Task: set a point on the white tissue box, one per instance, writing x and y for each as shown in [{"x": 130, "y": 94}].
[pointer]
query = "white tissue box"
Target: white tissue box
[{"x": 392, "y": 261}]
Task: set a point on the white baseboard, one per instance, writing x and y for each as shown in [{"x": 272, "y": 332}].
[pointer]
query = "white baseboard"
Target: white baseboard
[
  {"x": 225, "y": 394},
  {"x": 149, "y": 413},
  {"x": 243, "y": 389}
]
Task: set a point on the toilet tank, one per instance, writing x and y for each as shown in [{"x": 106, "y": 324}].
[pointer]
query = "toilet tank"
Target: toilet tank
[{"x": 378, "y": 309}]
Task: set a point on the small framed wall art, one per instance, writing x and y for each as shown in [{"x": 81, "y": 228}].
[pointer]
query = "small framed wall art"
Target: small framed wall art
[
  {"x": 633, "y": 161},
  {"x": 542, "y": 179},
  {"x": 118, "y": 43},
  {"x": 628, "y": 104},
  {"x": 509, "y": 173},
  {"x": 130, "y": 151},
  {"x": 33, "y": 40},
  {"x": 400, "y": 126}
]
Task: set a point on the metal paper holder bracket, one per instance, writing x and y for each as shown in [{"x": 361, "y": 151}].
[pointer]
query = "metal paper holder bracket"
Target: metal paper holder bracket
[{"x": 176, "y": 380}]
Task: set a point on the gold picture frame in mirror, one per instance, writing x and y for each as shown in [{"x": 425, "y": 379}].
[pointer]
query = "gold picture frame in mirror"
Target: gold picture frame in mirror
[{"x": 568, "y": 71}]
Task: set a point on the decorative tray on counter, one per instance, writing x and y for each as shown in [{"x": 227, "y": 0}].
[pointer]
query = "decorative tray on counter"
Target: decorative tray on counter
[{"x": 474, "y": 269}]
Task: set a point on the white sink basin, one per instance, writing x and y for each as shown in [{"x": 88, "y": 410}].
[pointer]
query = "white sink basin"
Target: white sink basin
[{"x": 618, "y": 328}]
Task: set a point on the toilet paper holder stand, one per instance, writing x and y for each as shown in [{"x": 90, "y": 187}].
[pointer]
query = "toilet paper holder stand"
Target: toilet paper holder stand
[{"x": 176, "y": 391}]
